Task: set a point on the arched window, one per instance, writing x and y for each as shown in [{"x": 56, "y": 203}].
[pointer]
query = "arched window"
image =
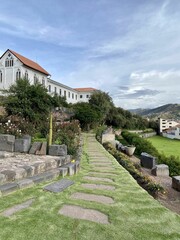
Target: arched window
[
  {"x": 0, "y": 76},
  {"x": 35, "y": 79},
  {"x": 43, "y": 81},
  {"x": 9, "y": 62},
  {"x": 18, "y": 74},
  {"x": 26, "y": 75}
]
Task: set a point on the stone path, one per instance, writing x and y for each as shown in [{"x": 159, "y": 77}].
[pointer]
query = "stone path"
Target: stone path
[{"x": 102, "y": 169}]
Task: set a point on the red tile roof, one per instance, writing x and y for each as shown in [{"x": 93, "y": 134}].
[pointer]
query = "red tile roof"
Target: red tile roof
[
  {"x": 85, "y": 89},
  {"x": 28, "y": 62}
]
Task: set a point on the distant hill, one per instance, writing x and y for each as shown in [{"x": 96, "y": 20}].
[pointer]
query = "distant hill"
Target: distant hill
[{"x": 168, "y": 111}]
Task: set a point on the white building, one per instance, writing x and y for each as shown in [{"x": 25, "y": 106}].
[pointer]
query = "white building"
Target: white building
[
  {"x": 166, "y": 124},
  {"x": 173, "y": 133},
  {"x": 14, "y": 66}
]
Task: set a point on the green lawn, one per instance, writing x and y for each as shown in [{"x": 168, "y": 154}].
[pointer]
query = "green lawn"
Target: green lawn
[
  {"x": 166, "y": 145},
  {"x": 135, "y": 215}
]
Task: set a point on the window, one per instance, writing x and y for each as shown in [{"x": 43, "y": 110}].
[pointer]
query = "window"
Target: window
[
  {"x": 76, "y": 96},
  {"x": 9, "y": 62},
  {"x": 26, "y": 75},
  {"x": 49, "y": 90},
  {"x": 72, "y": 95},
  {"x": 35, "y": 79},
  {"x": 55, "y": 89},
  {"x": 60, "y": 92},
  {"x": 18, "y": 74},
  {"x": 43, "y": 81},
  {"x": 0, "y": 76},
  {"x": 69, "y": 95},
  {"x": 87, "y": 96},
  {"x": 81, "y": 96},
  {"x": 64, "y": 93}
]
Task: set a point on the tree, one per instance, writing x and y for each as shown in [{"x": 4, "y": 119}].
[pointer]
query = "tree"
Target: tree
[
  {"x": 31, "y": 102},
  {"x": 86, "y": 114},
  {"x": 102, "y": 102}
]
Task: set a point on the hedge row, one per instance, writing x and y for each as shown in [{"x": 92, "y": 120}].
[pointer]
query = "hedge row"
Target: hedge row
[
  {"x": 142, "y": 145},
  {"x": 145, "y": 182}
]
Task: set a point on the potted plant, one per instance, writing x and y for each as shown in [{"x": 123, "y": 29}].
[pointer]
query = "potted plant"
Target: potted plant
[{"x": 130, "y": 150}]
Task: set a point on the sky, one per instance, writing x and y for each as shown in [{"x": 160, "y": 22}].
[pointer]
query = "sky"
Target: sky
[{"x": 128, "y": 48}]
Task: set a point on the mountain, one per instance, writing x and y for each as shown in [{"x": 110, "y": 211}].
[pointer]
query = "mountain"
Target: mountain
[{"x": 168, "y": 111}]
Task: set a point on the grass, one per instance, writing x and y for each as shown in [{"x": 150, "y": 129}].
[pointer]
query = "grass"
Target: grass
[
  {"x": 134, "y": 216},
  {"x": 165, "y": 145}
]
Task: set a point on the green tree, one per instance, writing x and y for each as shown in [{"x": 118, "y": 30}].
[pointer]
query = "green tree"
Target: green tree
[
  {"x": 102, "y": 102},
  {"x": 86, "y": 114},
  {"x": 31, "y": 102}
]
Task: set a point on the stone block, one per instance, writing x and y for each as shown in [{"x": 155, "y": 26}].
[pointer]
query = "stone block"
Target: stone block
[
  {"x": 20, "y": 173},
  {"x": 8, "y": 188},
  {"x": 71, "y": 169},
  {"x": 48, "y": 175},
  {"x": 147, "y": 160},
  {"x": 62, "y": 160},
  {"x": 35, "y": 147},
  {"x": 50, "y": 164},
  {"x": 176, "y": 183},
  {"x": 37, "y": 179},
  {"x": 36, "y": 167},
  {"x": 58, "y": 150},
  {"x": 77, "y": 166},
  {"x": 27, "y": 137},
  {"x": 160, "y": 170},
  {"x": 43, "y": 149},
  {"x": 63, "y": 171},
  {"x": 108, "y": 137},
  {"x": 21, "y": 145},
  {"x": 9, "y": 174},
  {"x": 7, "y": 142},
  {"x": 25, "y": 183},
  {"x": 29, "y": 170},
  {"x": 2, "y": 178}
]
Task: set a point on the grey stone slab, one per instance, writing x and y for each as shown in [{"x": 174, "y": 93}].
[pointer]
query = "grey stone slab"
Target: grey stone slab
[
  {"x": 92, "y": 197},
  {"x": 98, "y": 186},
  {"x": 21, "y": 145},
  {"x": 43, "y": 149},
  {"x": 98, "y": 179},
  {"x": 63, "y": 171},
  {"x": 25, "y": 183},
  {"x": 48, "y": 175},
  {"x": 37, "y": 179},
  {"x": 147, "y": 161},
  {"x": 10, "y": 175},
  {"x": 8, "y": 188},
  {"x": 160, "y": 170},
  {"x": 77, "y": 212},
  {"x": 2, "y": 178},
  {"x": 58, "y": 150},
  {"x": 10, "y": 211},
  {"x": 176, "y": 182},
  {"x": 35, "y": 147},
  {"x": 7, "y": 142},
  {"x": 29, "y": 170},
  {"x": 27, "y": 137},
  {"x": 59, "y": 186}
]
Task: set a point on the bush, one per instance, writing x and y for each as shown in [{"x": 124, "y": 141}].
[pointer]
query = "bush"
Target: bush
[
  {"x": 142, "y": 145},
  {"x": 145, "y": 182},
  {"x": 68, "y": 133}
]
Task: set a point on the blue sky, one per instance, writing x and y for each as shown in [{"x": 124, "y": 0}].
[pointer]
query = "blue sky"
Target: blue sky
[{"x": 129, "y": 48}]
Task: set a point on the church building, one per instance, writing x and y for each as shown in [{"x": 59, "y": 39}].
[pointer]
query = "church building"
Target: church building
[{"x": 14, "y": 66}]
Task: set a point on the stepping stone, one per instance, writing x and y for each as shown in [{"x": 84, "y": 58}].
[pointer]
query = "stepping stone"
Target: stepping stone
[
  {"x": 98, "y": 179},
  {"x": 103, "y": 168},
  {"x": 104, "y": 164},
  {"x": 98, "y": 186},
  {"x": 10, "y": 211},
  {"x": 58, "y": 186},
  {"x": 92, "y": 197},
  {"x": 84, "y": 214},
  {"x": 103, "y": 173}
]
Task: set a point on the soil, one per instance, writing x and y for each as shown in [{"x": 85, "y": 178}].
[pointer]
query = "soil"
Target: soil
[{"x": 171, "y": 198}]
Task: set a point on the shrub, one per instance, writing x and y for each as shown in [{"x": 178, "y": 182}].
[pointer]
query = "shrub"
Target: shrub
[{"x": 142, "y": 145}]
